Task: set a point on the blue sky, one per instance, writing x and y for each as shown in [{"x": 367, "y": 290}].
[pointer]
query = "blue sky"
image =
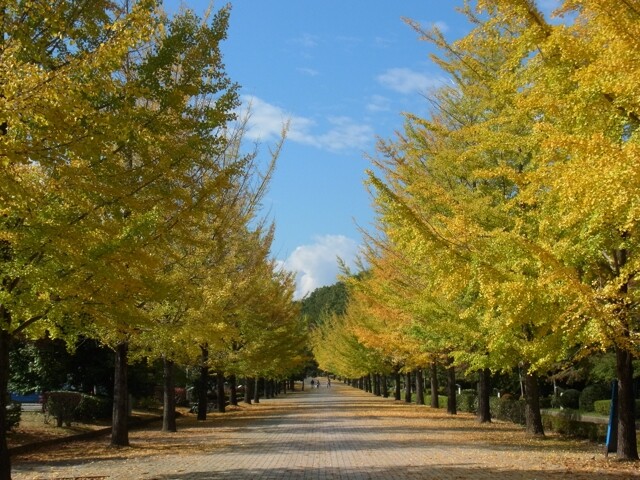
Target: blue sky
[{"x": 341, "y": 72}]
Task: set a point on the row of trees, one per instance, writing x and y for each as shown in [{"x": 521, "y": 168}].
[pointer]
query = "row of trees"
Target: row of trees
[
  {"x": 508, "y": 220},
  {"x": 128, "y": 210}
]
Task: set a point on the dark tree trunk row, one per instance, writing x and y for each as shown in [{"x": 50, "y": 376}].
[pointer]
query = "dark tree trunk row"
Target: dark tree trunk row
[
  {"x": 627, "y": 448},
  {"x": 484, "y": 412},
  {"x": 119, "y": 425},
  {"x": 434, "y": 385},
  {"x": 5, "y": 341},
  {"x": 407, "y": 388},
  {"x": 532, "y": 410},
  {"x": 203, "y": 386},
  {"x": 452, "y": 404},
  {"x": 419, "y": 387},
  {"x": 221, "y": 398},
  {"x": 233, "y": 390},
  {"x": 169, "y": 403}
]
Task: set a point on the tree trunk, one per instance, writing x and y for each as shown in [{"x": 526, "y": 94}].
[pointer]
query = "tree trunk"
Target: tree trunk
[
  {"x": 5, "y": 341},
  {"x": 627, "y": 440},
  {"x": 233, "y": 390},
  {"x": 204, "y": 383},
  {"x": 247, "y": 390},
  {"x": 452, "y": 404},
  {"x": 532, "y": 409},
  {"x": 407, "y": 388},
  {"x": 220, "y": 394},
  {"x": 397, "y": 394},
  {"x": 484, "y": 410},
  {"x": 169, "y": 404},
  {"x": 385, "y": 387},
  {"x": 419, "y": 387},
  {"x": 434, "y": 385},
  {"x": 256, "y": 390},
  {"x": 119, "y": 423}
]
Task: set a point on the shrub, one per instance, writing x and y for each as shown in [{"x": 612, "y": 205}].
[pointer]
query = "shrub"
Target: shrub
[
  {"x": 570, "y": 399},
  {"x": 592, "y": 393},
  {"x": 602, "y": 407},
  {"x": 92, "y": 408},
  {"x": 507, "y": 408},
  {"x": 566, "y": 423},
  {"x": 546, "y": 402},
  {"x": 442, "y": 401},
  {"x": 467, "y": 401},
  {"x": 61, "y": 406},
  {"x": 148, "y": 403},
  {"x": 14, "y": 412},
  {"x": 181, "y": 396}
]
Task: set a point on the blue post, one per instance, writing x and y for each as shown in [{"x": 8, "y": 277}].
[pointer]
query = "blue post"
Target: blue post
[{"x": 612, "y": 429}]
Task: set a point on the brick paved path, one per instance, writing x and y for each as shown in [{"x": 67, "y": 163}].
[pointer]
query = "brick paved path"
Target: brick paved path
[{"x": 336, "y": 433}]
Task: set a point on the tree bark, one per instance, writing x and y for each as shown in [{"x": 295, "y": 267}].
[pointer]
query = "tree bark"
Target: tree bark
[
  {"x": 247, "y": 390},
  {"x": 407, "y": 388},
  {"x": 397, "y": 394},
  {"x": 434, "y": 385},
  {"x": 532, "y": 409},
  {"x": 385, "y": 387},
  {"x": 233, "y": 390},
  {"x": 204, "y": 383},
  {"x": 627, "y": 440},
  {"x": 484, "y": 410},
  {"x": 256, "y": 390},
  {"x": 452, "y": 403},
  {"x": 419, "y": 387},
  {"x": 220, "y": 394},
  {"x": 119, "y": 424},
  {"x": 169, "y": 404},
  {"x": 5, "y": 341}
]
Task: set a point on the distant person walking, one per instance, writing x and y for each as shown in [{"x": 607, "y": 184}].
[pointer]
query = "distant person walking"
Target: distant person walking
[{"x": 328, "y": 382}]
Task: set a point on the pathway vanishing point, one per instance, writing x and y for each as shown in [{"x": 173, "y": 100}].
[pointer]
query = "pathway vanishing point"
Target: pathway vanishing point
[{"x": 326, "y": 433}]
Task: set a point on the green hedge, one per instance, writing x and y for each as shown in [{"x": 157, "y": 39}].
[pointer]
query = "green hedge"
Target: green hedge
[
  {"x": 61, "y": 406},
  {"x": 93, "y": 407},
  {"x": 508, "y": 408},
  {"x": 570, "y": 399},
  {"x": 591, "y": 394},
  {"x": 442, "y": 400},
  {"x": 603, "y": 407},
  {"x": 566, "y": 423},
  {"x": 467, "y": 401},
  {"x": 66, "y": 407}
]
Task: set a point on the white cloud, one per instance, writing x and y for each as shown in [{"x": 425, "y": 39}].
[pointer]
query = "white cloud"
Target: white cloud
[
  {"x": 308, "y": 71},
  {"x": 316, "y": 265},
  {"x": 378, "y": 103},
  {"x": 266, "y": 122},
  {"x": 306, "y": 40},
  {"x": 405, "y": 80}
]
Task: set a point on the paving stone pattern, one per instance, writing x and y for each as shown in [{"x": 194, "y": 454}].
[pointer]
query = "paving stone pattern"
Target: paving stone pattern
[{"x": 322, "y": 434}]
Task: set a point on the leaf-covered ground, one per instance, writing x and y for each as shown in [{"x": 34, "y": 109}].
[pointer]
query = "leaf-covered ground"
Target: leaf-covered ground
[{"x": 424, "y": 425}]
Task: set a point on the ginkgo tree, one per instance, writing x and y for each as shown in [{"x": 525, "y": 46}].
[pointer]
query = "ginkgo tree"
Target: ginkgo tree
[
  {"x": 58, "y": 61},
  {"x": 107, "y": 118},
  {"x": 523, "y": 173}
]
